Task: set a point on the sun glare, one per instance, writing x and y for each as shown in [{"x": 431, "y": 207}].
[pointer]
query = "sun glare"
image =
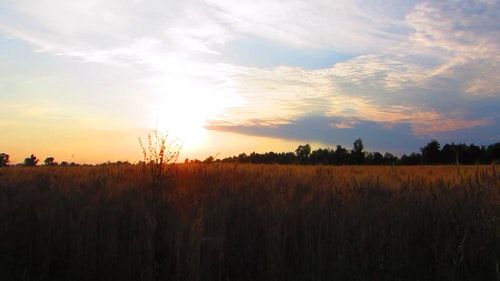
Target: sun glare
[
  {"x": 184, "y": 106},
  {"x": 179, "y": 122}
]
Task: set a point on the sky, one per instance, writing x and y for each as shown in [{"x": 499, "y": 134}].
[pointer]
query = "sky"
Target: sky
[{"x": 83, "y": 80}]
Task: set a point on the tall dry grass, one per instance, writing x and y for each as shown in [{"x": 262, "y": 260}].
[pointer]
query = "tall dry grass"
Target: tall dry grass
[{"x": 250, "y": 222}]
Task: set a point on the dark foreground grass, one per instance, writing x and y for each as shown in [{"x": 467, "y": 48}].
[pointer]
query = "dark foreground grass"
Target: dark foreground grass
[{"x": 249, "y": 222}]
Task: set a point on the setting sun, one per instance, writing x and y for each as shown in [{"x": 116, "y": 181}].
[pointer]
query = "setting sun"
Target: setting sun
[{"x": 182, "y": 108}]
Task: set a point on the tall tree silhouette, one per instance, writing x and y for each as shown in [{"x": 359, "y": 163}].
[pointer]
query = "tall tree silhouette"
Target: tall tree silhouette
[
  {"x": 431, "y": 153},
  {"x": 4, "y": 159},
  {"x": 357, "y": 151},
  {"x": 31, "y": 161},
  {"x": 341, "y": 155},
  {"x": 303, "y": 152},
  {"x": 49, "y": 161}
]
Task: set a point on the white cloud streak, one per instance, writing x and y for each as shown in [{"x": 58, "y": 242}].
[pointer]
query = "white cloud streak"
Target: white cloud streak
[{"x": 345, "y": 26}]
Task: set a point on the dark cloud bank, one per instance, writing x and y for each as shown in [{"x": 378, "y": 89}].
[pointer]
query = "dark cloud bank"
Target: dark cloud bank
[{"x": 377, "y": 136}]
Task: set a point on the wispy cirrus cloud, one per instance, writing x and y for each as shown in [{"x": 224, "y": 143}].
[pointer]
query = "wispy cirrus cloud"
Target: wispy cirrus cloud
[
  {"x": 467, "y": 28},
  {"x": 345, "y": 26}
]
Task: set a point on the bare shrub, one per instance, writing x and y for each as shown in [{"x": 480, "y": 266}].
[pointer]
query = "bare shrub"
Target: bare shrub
[{"x": 159, "y": 154}]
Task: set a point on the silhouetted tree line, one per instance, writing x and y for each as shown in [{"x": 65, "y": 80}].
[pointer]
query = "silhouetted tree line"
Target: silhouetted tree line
[
  {"x": 32, "y": 161},
  {"x": 460, "y": 153},
  {"x": 430, "y": 154}
]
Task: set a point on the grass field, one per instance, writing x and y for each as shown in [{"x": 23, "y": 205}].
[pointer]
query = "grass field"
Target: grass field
[{"x": 249, "y": 222}]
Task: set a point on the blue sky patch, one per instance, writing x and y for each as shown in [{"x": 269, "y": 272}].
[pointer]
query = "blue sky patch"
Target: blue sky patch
[{"x": 254, "y": 52}]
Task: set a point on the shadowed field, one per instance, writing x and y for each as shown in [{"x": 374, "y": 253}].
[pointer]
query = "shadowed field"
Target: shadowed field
[{"x": 249, "y": 222}]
